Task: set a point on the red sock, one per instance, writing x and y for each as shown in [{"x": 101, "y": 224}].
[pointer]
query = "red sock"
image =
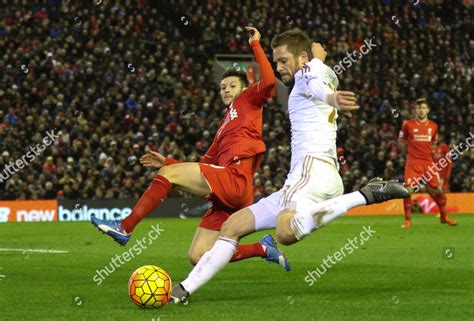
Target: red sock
[
  {"x": 151, "y": 199},
  {"x": 245, "y": 251},
  {"x": 440, "y": 200},
  {"x": 407, "y": 206}
]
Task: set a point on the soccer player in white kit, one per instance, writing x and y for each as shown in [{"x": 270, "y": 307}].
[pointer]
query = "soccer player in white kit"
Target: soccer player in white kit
[{"x": 312, "y": 194}]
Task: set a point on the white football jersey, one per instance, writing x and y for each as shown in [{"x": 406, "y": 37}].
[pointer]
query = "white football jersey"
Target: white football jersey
[{"x": 313, "y": 122}]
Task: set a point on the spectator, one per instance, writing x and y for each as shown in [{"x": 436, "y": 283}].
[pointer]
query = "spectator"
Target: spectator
[{"x": 114, "y": 87}]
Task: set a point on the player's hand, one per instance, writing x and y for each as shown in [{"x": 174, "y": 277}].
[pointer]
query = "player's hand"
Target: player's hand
[
  {"x": 318, "y": 51},
  {"x": 253, "y": 34},
  {"x": 343, "y": 100},
  {"x": 153, "y": 159}
]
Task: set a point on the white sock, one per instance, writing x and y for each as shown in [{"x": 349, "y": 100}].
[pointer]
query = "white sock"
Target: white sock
[
  {"x": 210, "y": 263},
  {"x": 336, "y": 209},
  {"x": 341, "y": 204},
  {"x": 352, "y": 200},
  {"x": 303, "y": 224}
]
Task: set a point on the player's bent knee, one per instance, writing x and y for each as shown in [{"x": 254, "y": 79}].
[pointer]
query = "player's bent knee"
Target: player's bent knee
[
  {"x": 284, "y": 232},
  {"x": 229, "y": 230},
  {"x": 285, "y": 237},
  {"x": 194, "y": 256},
  {"x": 238, "y": 225},
  {"x": 233, "y": 229},
  {"x": 193, "y": 259}
]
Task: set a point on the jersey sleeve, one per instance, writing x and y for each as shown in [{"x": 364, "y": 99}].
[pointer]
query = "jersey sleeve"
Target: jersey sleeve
[
  {"x": 449, "y": 158},
  {"x": 434, "y": 139},
  {"x": 317, "y": 88},
  {"x": 403, "y": 135},
  {"x": 171, "y": 161},
  {"x": 210, "y": 157},
  {"x": 259, "y": 92}
]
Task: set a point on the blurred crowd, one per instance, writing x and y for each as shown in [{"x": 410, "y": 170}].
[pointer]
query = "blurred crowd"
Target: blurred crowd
[{"x": 114, "y": 78}]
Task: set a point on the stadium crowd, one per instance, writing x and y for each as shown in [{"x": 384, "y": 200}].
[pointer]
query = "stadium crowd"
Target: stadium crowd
[{"x": 113, "y": 79}]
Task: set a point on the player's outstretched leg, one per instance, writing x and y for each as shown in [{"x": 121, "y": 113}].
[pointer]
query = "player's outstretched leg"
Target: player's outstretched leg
[
  {"x": 376, "y": 191},
  {"x": 208, "y": 232},
  {"x": 407, "y": 205},
  {"x": 185, "y": 176},
  {"x": 379, "y": 191},
  {"x": 120, "y": 231},
  {"x": 237, "y": 226},
  {"x": 294, "y": 226},
  {"x": 267, "y": 249},
  {"x": 440, "y": 199}
]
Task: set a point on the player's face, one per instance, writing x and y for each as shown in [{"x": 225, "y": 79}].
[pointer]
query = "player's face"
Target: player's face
[
  {"x": 287, "y": 63},
  {"x": 231, "y": 87},
  {"x": 421, "y": 111}
]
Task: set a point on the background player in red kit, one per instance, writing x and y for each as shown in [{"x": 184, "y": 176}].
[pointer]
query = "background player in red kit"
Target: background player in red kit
[
  {"x": 225, "y": 173},
  {"x": 416, "y": 139},
  {"x": 441, "y": 150}
]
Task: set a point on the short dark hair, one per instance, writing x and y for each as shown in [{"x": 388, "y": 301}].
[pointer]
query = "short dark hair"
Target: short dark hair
[
  {"x": 296, "y": 40},
  {"x": 420, "y": 101},
  {"x": 242, "y": 75}
]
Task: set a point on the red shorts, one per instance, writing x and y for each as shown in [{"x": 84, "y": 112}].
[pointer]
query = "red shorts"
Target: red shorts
[
  {"x": 231, "y": 190},
  {"x": 214, "y": 218},
  {"x": 231, "y": 186},
  {"x": 419, "y": 174}
]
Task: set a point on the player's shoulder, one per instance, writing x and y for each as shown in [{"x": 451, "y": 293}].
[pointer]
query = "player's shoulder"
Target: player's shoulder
[
  {"x": 316, "y": 63},
  {"x": 246, "y": 98},
  {"x": 248, "y": 92},
  {"x": 311, "y": 69},
  {"x": 409, "y": 122},
  {"x": 432, "y": 123}
]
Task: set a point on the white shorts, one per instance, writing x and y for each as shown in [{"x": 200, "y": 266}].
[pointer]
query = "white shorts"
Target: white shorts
[{"x": 312, "y": 180}]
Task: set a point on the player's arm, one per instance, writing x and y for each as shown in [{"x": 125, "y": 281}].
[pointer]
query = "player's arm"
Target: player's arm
[
  {"x": 449, "y": 168},
  {"x": 265, "y": 87},
  {"x": 156, "y": 160},
  {"x": 318, "y": 51},
  {"x": 434, "y": 139},
  {"x": 341, "y": 100},
  {"x": 403, "y": 146},
  {"x": 402, "y": 138}
]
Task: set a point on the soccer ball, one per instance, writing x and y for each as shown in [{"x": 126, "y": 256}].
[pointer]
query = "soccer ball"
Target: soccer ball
[{"x": 149, "y": 287}]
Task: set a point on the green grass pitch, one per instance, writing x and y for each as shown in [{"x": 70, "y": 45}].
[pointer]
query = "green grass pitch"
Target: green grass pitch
[{"x": 424, "y": 273}]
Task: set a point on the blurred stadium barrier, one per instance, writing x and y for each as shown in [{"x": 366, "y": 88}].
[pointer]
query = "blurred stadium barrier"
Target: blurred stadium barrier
[{"x": 81, "y": 210}]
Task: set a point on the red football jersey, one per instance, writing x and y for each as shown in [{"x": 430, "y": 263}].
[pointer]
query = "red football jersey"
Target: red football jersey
[
  {"x": 442, "y": 151},
  {"x": 420, "y": 138},
  {"x": 240, "y": 133}
]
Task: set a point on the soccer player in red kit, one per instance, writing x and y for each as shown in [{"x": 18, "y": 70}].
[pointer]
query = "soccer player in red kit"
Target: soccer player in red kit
[
  {"x": 440, "y": 151},
  {"x": 416, "y": 140},
  {"x": 225, "y": 173}
]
